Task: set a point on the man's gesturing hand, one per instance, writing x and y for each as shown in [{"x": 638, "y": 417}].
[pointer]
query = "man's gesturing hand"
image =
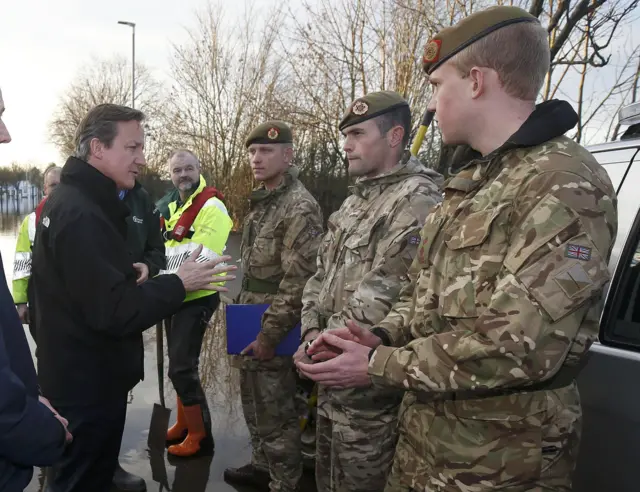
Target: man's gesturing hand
[{"x": 200, "y": 275}]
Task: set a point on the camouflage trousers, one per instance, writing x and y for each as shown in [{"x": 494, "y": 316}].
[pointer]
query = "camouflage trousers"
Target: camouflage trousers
[
  {"x": 519, "y": 443},
  {"x": 269, "y": 407},
  {"x": 354, "y": 457}
]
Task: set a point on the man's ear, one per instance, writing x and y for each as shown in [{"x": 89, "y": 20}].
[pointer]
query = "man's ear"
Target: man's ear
[
  {"x": 478, "y": 81},
  {"x": 97, "y": 148},
  {"x": 288, "y": 155},
  {"x": 395, "y": 136}
]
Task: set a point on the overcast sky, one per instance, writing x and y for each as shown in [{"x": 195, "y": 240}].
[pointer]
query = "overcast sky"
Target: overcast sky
[{"x": 43, "y": 43}]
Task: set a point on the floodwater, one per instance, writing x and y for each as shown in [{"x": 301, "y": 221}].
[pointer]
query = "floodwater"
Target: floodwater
[{"x": 221, "y": 384}]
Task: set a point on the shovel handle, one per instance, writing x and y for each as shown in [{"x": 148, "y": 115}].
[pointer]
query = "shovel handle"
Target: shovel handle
[
  {"x": 427, "y": 117},
  {"x": 160, "y": 361}
]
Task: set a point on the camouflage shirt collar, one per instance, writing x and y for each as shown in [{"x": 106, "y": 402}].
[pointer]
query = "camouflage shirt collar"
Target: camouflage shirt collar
[
  {"x": 260, "y": 194},
  {"x": 471, "y": 175},
  {"x": 368, "y": 188}
]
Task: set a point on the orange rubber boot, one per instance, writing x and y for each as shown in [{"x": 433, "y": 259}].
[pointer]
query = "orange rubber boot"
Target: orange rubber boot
[
  {"x": 198, "y": 440},
  {"x": 178, "y": 431}
]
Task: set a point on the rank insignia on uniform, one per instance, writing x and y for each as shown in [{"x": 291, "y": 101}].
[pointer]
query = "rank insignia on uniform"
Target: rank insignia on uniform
[
  {"x": 273, "y": 133},
  {"x": 578, "y": 252},
  {"x": 414, "y": 239},
  {"x": 359, "y": 108},
  {"x": 313, "y": 232},
  {"x": 431, "y": 51}
]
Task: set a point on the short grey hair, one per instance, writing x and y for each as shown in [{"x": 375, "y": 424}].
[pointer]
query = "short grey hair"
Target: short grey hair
[
  {"x": 182, "y": 153},
  {"x": 49, "y": 170},
  {"x": 101, "y": 122}
]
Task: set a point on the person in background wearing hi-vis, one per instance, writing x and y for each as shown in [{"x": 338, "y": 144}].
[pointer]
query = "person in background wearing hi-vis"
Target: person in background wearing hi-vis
[
  {"x": 192, "y": 214},
  {"x": 24, "y": 244}
]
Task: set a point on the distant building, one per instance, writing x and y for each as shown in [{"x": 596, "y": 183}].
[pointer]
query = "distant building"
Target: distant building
[{"x": 19, "y": 198}]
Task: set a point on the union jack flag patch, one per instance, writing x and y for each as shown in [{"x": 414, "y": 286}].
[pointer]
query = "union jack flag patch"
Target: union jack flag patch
[
  {"x": 578, "y": 252},
  {"x": 414, "y": 240}
]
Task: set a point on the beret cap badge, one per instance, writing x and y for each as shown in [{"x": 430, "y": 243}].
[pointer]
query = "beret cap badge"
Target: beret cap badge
[
  {"x": 360, "y": 108},
  {"x": 273, "y": 133},
  {"x": 432, "y": 50}
]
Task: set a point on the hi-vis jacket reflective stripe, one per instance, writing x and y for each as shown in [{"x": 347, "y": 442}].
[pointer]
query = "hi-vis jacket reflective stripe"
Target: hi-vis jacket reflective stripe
[
  {"x": 22, "y": 259},
  {"x": 210, "y": 228}
]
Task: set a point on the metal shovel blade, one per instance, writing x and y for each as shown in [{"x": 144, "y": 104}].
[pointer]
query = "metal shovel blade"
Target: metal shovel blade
[
  {"x": 157, "y": 438},
  {"x": 160, "y": 414}
]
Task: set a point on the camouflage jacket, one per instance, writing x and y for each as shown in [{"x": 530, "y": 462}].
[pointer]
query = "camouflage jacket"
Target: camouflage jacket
[
  {"x": 280, "y": 242},
  {"x": 362, "y": 267},
  {"x": 506, "y": 285}
]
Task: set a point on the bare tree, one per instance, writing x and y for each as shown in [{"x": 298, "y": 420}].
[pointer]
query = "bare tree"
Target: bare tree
[
  {"x": 107, "y": 81},
  {"x": 582, "y": 39},
  {"x": 306, "y": 65},
  {"x": 336, "y": 51},
  {"x": 631, "y": 96},
  {"x": 226, "y": 80}
]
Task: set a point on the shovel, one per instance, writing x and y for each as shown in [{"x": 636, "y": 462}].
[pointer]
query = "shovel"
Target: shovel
[
  {"x": 160, "y": 415},
  {"x": 158, "y": 468}
]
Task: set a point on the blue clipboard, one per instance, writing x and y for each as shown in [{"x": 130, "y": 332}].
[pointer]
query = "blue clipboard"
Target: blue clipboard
[{"x": 244, "y": 322}]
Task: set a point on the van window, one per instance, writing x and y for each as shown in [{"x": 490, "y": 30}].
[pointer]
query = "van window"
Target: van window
[{"x": 621, "y": 316}]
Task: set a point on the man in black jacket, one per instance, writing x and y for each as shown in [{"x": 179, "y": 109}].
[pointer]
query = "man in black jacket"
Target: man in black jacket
[
  {"x": 31, "y": 432},
  {"x": 91, "y": 312}
]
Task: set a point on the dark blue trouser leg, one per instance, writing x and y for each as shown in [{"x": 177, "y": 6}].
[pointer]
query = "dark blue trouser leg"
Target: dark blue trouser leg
[{"x": 90, "y": 460}]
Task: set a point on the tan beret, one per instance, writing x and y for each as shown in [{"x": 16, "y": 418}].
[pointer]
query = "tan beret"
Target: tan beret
[
  {"x": 372, "y": 105},
  {"x": 452, "y": 40},
  {"x": 270, "y": 132}
]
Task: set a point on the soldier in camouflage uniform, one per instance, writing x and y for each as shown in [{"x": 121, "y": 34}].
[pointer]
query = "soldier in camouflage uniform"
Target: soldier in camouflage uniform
[
  {"x": 504, "y": 299},
  {"x": 362, "y": 267},
  {"x": 280, "y": 242}
]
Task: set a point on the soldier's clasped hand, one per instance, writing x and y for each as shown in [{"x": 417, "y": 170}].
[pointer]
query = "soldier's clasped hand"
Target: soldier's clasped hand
[
  {"x": 349, "y": 369},
  {"x": 320, "y": 350}
]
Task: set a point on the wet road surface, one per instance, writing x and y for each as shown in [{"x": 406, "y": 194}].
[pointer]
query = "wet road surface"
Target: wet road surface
[{"x": 221, "y": 384}]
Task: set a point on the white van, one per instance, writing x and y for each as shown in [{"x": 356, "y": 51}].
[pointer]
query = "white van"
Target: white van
[{"x": 610, "y": 382}]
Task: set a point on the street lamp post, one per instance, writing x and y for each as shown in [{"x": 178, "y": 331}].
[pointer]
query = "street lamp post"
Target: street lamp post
[{"x": 133, "y": 60}]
